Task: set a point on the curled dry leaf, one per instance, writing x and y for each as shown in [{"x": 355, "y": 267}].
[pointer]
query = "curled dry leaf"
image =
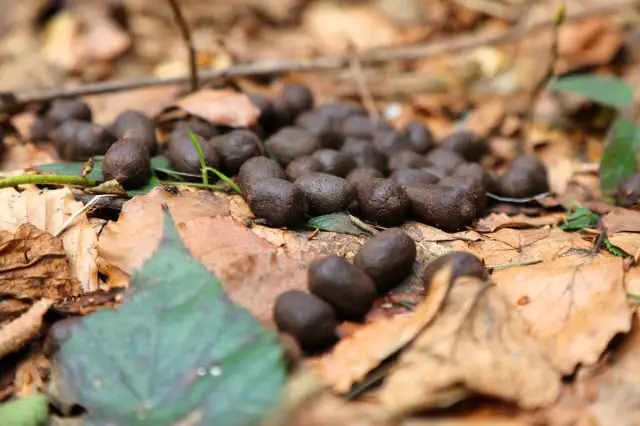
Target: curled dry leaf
[
  {"x": 621, "y": 220},
  {"x": 577, "y": 303},
  {"x": 48, "y": 211},
  {"x": 496, "y": 221},
  {"x": 604, "y": 394},
  {"x": 355, "y": 356},
  {"x": 478, "y": 343},
  {"x": 20, "y": 331},
  {"x": 33, "y": 265},
  {"x": 225, "y": 107}
]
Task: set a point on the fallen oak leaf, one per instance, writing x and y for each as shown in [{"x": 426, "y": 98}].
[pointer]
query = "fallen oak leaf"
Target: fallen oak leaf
[
  {"x": 477, "y": 344},
  {"x": 355, "y": 356},
  {"x": 576, "y": 304},
  {"x": 17, "y": 333},
  {"x": 621, "y": 220}
]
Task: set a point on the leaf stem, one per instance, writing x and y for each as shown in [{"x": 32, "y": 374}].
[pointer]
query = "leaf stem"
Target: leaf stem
[
  {"x": 46, "y": 180},
  {"x": 510, "y": 265}
]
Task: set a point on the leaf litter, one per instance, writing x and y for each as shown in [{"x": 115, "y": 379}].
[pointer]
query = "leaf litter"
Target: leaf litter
[{"x": 559, "y": 298}]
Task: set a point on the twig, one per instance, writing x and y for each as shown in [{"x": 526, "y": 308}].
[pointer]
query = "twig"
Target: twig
[
  {"x": 355, "y": 67},
  {"x": 188, "y": 41},
  {"x": 46, "y": 180},
  {"x": 536, "y": 92},
  {"x": 9, "y": 101}
]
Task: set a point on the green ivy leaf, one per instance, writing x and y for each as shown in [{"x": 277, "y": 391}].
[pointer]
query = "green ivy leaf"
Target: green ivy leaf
[
  {"x": 580, "y": 219},
  {"x": 336, "y": 222},
  {"x": 609, "y": 91},
  {"x": 28, "y": 411},
  {"x": 619, "y": 157},
  {"x": 177, "y": 352}
]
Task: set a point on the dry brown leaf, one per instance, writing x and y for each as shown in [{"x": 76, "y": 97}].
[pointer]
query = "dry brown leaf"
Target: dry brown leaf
[
  {"x": 33, "y": 265},
  {"x": 496, "y": 221},
  {"x": 225, "y": 107},
  {"x": 252, "y": 270},
  {"x": 512, "y": 246},
  {"x": 17, "y": 157},
  {"x": 621, "y": 220},
  {"x": 62, "y": 43},
  {"x": 478, "y": 343},
  {"x": 627, "y": 241},
  {"x": 486, "y": 118},
  {"x": 49, "y": 210},
  {"x": 605, "y": 394},
  {"x": 355, "y": 356},
  {"x": 126, "y": 244},
  {"x": 574, "y": 305},
  {"x": 20, "y": 331}
]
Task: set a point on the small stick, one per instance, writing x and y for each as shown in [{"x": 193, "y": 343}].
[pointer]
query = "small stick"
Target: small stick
[
  {"x": 536, "y": 92},
  {"x": 511, "y": 265},
  {"x": 188, "y": 41},
  {"x": 313, "y": 234}
]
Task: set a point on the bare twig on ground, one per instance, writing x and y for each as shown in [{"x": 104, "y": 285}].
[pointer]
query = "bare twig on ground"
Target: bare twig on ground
[
  {"x": 188, "y": 41},
  {"x": 536, "y": 92},
  {"x": 9, "y": 101},
  {"x": 355, "y": 67}
]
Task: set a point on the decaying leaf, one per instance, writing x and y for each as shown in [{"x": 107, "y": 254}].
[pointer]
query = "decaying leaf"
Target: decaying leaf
[
  {"x": 478, "y": 343},
  {"x": 223, "y": 107},
  {"x": 576, "y": 304},
  {"x": 355, "y": 356},
  {"x": 604, "y": 394},
  {"x": 33, "y": 265},
  {"x": 48, "y": 211},
  {"x": 20, "y": 331}
]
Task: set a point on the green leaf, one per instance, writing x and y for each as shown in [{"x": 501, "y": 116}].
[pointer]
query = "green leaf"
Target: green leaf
[
  {"x": 153, "y": 182},
  {"x": 614, "y": 250},
  {"x": 71, "y": 168},
  {"x": 609, "y": 91},
  {"x": 28, "y": 411},
  {"x": 580, "y": 219},
  {"x": 336, "y": 222},
  {"x": 619, "y": 157},
  {"x": 177, "y": 352}
]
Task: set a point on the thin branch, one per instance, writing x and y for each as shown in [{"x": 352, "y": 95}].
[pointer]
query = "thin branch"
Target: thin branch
[
  {"x": 46, "y": 180},
  {"x": 188, "y": 41},
  {"x": 9, "y": 101}
]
